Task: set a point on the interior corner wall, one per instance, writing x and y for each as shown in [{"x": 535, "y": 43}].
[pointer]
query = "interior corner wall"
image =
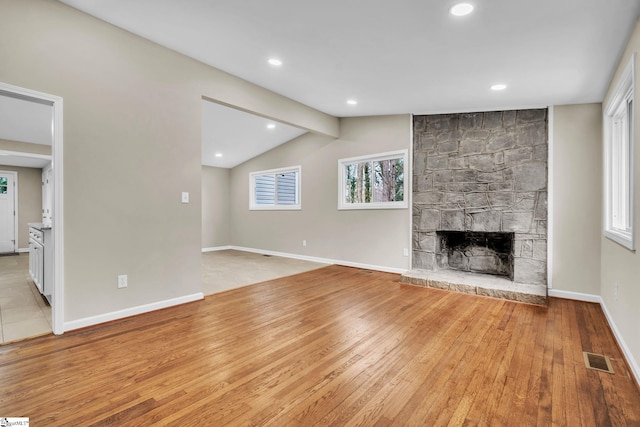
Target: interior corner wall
[
  {"x": 620, "y": 276},
  {"x": 216, "y": 213},
  {"x": 365, "y": 237},
  {"x": 132, "y": 144},
  {"x": 577, "y": 198},
  {"x": 29, "y": 200}
]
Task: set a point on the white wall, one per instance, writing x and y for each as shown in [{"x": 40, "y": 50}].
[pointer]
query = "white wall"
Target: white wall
[{"x": 364, "y": 237}]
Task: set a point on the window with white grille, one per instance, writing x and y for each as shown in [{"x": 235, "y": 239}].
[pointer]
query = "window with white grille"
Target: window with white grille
[{"x": 275, "y": 189}]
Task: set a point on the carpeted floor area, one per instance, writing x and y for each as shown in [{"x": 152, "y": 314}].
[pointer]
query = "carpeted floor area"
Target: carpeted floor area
[{"x": 230, "y": 269}]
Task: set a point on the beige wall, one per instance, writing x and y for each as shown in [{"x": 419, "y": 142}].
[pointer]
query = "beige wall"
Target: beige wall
[
  {"x": 24, "y": 147},
  {"x": 29, "y": 200},
  {"x": 216, "y": 212},
  {"x": 131, "y": 146},
  {"x": 577, "y": 198},
  {"x": 621, "y": 267},
  {"x": 370, "y": 237}
]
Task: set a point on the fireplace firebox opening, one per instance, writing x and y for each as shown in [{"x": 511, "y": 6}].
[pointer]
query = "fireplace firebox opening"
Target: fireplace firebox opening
[{"x": 475, "y": 251}]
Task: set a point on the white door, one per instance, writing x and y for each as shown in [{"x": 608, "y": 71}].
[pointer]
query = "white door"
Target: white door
[{"x": 7, "y": 212}]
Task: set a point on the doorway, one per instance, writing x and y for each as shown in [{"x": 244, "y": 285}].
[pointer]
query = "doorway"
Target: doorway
[
  {"x": 27, "y": 151},
  {"x": 8, "y": 218}
]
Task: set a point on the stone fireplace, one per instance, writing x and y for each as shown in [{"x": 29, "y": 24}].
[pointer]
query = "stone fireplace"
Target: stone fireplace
[{"x": 480, "y": 195}]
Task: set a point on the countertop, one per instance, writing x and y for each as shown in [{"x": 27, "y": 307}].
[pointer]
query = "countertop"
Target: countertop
[{"x": 39, "y": 226}]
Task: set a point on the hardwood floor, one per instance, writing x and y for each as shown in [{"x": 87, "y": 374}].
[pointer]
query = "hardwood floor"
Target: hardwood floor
[{"x": 334, "y": 346}]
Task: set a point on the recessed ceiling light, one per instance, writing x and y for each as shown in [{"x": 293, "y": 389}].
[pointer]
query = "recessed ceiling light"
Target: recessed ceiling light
[
  {"x": 461, "y": 9},
  {"x": 275, "y": 62},
  {"x": 271, "y": 126},
  {"x": 499, "y": 86},
  {"x": 352, "y": 102},
  {"x": 218, "y": 154}
]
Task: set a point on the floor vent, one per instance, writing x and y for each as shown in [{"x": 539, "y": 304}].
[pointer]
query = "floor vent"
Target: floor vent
[
  {"x": 598, "y": 362},
  {"x": 266, "y": 255}
]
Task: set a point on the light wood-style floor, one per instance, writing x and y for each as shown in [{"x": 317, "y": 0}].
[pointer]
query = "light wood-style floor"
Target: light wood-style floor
[{"x": 334, "y": 346}]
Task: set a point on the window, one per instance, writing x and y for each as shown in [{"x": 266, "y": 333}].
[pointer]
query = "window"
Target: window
[
  {"x": 275, "y": 189},
  {"x": 3, "y": 185},
  {"x": 372, "y": 182},
  {"x": 619, "y": 131}
]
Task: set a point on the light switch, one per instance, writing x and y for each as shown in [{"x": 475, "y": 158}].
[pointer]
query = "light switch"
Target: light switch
[{"x": 185, "y": 197}]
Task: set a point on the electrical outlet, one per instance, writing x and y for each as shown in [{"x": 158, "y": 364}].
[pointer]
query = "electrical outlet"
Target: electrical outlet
[
  {"x": 122, "y": 281},
  {"x": 185, "y": 197},
  {"x": 406, "y": 252},
  {"x": 304, "y": 243}
]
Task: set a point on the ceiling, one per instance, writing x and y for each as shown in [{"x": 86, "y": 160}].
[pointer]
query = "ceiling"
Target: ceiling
[
  {"x": 224, "y": 129},
  {"x": 401, "y": 56},
  {"x": 24, "y": 160},
  {"x": 25, "y": 121},
  {"x": 393, "y": 57}
]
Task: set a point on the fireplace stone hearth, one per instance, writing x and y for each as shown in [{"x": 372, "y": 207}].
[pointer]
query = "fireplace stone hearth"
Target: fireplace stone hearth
[
  {"x": 477, "y": 284},
  {"x": 481, "y": 173}
]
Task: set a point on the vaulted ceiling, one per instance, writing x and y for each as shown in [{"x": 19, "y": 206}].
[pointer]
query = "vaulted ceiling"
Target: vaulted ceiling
[
  {"x": 401, "y": 56},
  {"x": 392, "y": 57}
]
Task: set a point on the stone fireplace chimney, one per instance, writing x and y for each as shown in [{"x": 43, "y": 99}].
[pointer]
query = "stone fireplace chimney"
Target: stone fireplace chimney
[{"x": 480, "y": 189}]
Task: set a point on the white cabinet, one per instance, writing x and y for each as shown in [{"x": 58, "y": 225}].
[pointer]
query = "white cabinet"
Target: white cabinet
[
  {"x": 47, "y": 263},
  {"x": 41, "y": 258},
  {"x": 36, "y": 258},
  {"x": 47, "y": 195}
]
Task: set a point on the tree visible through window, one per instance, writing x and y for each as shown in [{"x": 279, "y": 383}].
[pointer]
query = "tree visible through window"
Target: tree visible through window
[{"x": 373, "y": 182}]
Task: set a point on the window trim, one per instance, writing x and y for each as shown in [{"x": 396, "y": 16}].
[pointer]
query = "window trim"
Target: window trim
[
  {"x": 342, "y": 205},
  {"x": 623, "y": 94},
  {"x": 276, "y": 207}
]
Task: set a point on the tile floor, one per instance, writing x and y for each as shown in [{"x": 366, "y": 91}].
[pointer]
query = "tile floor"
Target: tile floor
[{"x": 23, "y": 312}]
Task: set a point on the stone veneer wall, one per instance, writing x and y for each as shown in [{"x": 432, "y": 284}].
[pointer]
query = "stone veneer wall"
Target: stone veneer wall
[{"x": 482, "y": 172}]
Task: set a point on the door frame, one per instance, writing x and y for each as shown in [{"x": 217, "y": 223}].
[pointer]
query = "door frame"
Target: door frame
[
  {"x": 14, "y": 176},
  {"x": 56, "y": 102}
]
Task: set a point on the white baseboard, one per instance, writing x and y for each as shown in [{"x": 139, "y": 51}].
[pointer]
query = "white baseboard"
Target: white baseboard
[
  {"x": 120, "y": 314},
  {"x": 23, "y": 250},
  {"x": 217, "y": 248},
  {"x": 574, "y": 295},
  {"x": 633, "y": 364},
  {"x": 322, "y": 260}
]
